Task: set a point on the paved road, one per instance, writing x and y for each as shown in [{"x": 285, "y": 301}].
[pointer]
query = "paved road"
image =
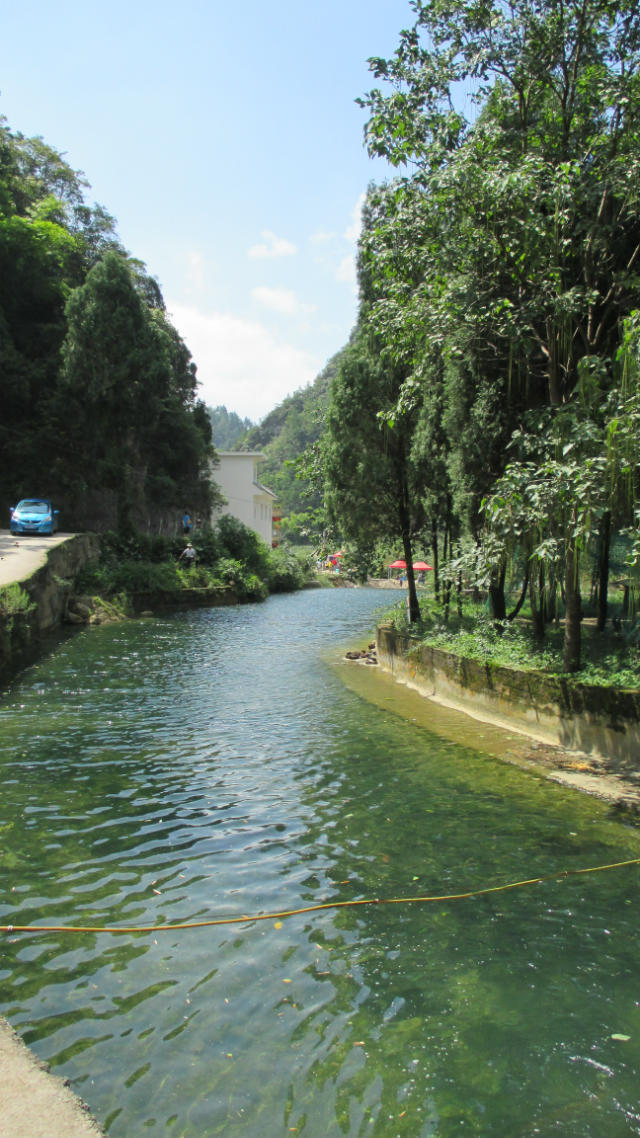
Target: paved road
[{"x": 20, "y": 556}]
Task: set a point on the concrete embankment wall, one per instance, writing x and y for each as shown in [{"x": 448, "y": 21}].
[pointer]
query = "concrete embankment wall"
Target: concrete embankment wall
[
  {"x": 579, "y": 717},
  {"x": 34, "y": 1103},
  {"x": 48, "y": 589}
]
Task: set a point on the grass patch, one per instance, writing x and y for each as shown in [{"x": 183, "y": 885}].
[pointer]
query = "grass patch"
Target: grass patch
[
  {"x": 14, "y": 599},
  {"x": 609, "y": 659}
]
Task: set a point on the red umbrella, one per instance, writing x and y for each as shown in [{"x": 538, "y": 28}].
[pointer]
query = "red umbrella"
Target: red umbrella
[
  {"x": 421, "y": 565},
  {"x": 398, "y": 565}
]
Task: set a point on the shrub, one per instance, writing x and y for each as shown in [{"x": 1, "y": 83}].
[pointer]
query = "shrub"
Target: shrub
[
  {"x": 207, "y": 545},
  {"x": 14, "y": 599},
  {"x": 130, "y": 577},
  {"x": 235, "y": 574},
  {"x": 198, "y": 577},
  {"x": 240, "y": 543},
  {"x": 287, "y": 571}
]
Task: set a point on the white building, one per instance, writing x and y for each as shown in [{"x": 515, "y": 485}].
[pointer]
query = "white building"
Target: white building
[{"x": 247, "y": 499}]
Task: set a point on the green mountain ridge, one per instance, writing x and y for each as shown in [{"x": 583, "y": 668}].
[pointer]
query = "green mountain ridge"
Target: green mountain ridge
[{"x": 285, "y": 435}]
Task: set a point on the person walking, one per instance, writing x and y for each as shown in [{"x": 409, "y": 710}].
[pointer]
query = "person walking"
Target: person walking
[{"x": 189, "y": 555}]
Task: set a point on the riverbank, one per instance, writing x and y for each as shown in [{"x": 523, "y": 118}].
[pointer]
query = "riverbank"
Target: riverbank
[
  {"x": 40, "y": 572},
  {"x": 37, "y": 579},
  {"x": 34, "y": 1103},
  {"x": 584, "y": 737},
  {"x": 49, "y": 585}
]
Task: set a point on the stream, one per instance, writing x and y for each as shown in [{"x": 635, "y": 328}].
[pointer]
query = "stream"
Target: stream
[{"x": 214, "y": 764}]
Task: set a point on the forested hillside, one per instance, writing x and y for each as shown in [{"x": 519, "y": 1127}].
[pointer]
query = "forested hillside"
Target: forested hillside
[
  {"x": 289, "y": 436},
  {"x": 490, "y": 400},
  {"x": 227, "y": 427},
  {"x": 98, "y": 404}
]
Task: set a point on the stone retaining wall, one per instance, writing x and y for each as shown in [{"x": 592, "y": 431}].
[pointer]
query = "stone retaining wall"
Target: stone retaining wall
[
  {"x": 48, "y": 590},
  {"x": 553, "y": 708}
]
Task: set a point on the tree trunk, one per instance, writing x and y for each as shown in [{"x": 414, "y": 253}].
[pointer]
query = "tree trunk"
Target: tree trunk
[
  {"x": 542, "y": 592},
  {"x": 603, "y": 583},
  {"x": 551, "y": 606},
  {"x": 414, "y": 604},
  {"x": 571, "y": 649},
  {"x": 536, "y": 615},
  {"x": 434, "y": 554},
  {"x": 521, "y": 599},
  {"x": 496, "y": 595},
  {"x": 446, "y": 585},
  {"x": 404, "y": 514}
]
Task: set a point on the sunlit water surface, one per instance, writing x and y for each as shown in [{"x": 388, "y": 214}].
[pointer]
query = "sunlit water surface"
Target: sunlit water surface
[{"x": 214, "y": 764}]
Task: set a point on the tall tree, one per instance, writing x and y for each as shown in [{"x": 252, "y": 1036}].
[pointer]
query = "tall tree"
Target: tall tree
[
  {"x": 110, "y": 356},
  {"x": 370, "y": 488},
  {"x": 129, "y": 383},
  {"x": 34, "y": 258},
  {"x": 518, "y": 229}
]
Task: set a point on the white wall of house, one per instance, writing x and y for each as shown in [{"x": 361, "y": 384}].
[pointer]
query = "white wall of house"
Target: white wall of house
[{"x": 247, "y": 499}]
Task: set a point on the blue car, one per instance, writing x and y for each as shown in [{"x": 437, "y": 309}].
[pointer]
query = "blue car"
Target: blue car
[{"x": 34, "y": 515}]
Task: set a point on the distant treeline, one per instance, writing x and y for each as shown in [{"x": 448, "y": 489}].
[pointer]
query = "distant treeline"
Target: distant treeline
[{"x": 227, "y": 427}]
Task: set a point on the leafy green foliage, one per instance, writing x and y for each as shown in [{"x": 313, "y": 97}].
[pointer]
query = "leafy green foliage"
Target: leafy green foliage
[
  {"x": 14, "y": 599},
  {"x": 242, "y": 544},
  {"x": 499, "y": 275},
  {"x": 288, "y": 570},
  {"x": 98, "y": 400}
]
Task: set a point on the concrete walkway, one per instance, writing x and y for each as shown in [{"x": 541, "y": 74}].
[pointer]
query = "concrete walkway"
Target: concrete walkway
[
  {"x": 21, "y": 555},
  {"x": 33, "y": 1102}
]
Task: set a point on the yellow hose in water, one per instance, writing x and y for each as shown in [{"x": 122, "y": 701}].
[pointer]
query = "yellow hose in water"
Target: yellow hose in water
[{"x": 278, "y": 916}]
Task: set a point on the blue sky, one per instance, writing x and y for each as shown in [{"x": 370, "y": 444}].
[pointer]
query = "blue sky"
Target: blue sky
[{"x": 225, "y": 140}]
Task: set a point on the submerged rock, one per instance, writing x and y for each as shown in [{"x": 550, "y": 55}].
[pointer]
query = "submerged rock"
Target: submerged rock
[{"x": 364, "y": 656}]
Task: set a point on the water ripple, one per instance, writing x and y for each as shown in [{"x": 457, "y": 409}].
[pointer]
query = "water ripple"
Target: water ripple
[{"x": 210, "y": 763}]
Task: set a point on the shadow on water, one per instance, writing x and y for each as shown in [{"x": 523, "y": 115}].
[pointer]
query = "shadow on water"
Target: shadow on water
[{"x": 212, "y": 764}]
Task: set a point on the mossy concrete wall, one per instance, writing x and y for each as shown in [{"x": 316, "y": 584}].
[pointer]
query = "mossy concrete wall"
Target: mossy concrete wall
[
  {"x": 553, "y": 708},
  {"x": 48, "y": 589},
  {"x": 173, "y": 601}
]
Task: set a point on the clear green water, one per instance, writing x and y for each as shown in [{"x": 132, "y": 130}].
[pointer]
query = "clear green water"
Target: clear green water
[{"x": 212, "y": 764}]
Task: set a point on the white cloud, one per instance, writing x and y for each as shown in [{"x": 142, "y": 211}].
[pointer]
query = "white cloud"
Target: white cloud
[
  {"x": 272, "y": 247},
  {"x": 352, "y": 232},
  {"x": 283, "y": 300},
  {"x": 195, "y": 270},
  {"x": 321, "y": 238},
  {"x": 346, "y": 271},
  {"x": 240, "y": 363}
]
